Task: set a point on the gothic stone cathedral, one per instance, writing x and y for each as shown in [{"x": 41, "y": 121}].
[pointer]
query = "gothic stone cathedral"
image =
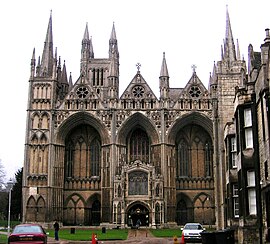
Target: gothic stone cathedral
[{"x": 96, "y": 157}]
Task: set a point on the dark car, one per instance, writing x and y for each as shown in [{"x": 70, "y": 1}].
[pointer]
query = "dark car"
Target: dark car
[
  {"x": 192, "y": 232},
  {"x": 28, "y": 233}
]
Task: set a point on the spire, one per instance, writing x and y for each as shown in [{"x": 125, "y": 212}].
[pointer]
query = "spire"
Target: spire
[
  {"x": 251, "y": 58},
  {"x": 70, "y": 83},
  {"x": 87, "y": 47},
  {"x": 64, "y": 74},
  {"x": 229, "y": 48},
  {"x": 113, "y": 48},
  {"x": 33, "y": 64},
  {"x": 238, "y": 50},
  {"x": 47, "y": 56},
  {"x": 91, "y": 49},
  {"x": 164, "y": 70}
]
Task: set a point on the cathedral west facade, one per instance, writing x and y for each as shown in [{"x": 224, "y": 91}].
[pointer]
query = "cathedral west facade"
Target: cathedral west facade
[{"x": 96, "y": 157}]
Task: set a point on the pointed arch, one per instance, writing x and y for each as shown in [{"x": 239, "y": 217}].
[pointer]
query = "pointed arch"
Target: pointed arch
[
  {"x": 137, "y": 120},
  {"x": 95, "y": 157},
  {"x": 183, "y": 166},
  {"x": 43, "y": 139},
  {"x": 93, "y": 210},
  {"x": 82, "y": 153},
  {"x": 119, "y": 213},
  {"x": 35, "y": 121},
  {"x": 157, "y": 213},
  {"x": 41, "y": 209},
  {"x": 139, "y": 146},
  {"x": 74, "y": 210},
  {"x": 34, "y": 139},
  {"x": 81, "y": 118},
  {"x": 31, "y": 209},
  {"x": 184, "y": 209},
  {"x": 203, "y": 208},
  {"x": 193, "y": 118},
  {"x": 44, "y": 121}
]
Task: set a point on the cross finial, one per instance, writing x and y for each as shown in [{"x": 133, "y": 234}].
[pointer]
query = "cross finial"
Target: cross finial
[
  {"x": 193, "y": 66},
  {"x": 138, "y": 66}
]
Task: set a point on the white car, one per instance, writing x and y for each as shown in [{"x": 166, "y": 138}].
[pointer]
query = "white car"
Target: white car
[{"x": 192, "y": 232}]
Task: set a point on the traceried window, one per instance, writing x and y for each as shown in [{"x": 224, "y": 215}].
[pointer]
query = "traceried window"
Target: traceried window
[
  {"x": 138, "y": 91},
  {"x": 139, "y": 146},
  {"x": 248, "y": 128},
  {"x": 138, "y": 183},
  {"x": 233, "y": 152},
  {"x": 82, "y": 92},
  {"x": 82, "y": 153},
  {"x": 95, "y": 157},
  {"x": 183, "y": 159},
  {"x": 195, "y": 91},
  {"x": 251, "y": 192},
  {"x": 208, "y": 159},
  {"x": 235, "y": 200}
]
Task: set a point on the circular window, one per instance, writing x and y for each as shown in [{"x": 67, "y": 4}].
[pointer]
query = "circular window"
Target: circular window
[
  {"x": 194, "y": 91},
  {"x": 138, "y": 91},
  {"x": 82, "y": 92}
]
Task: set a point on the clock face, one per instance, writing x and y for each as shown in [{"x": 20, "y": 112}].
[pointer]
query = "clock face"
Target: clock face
[
  {"x": 138, "y": 91},
  {"x": 82, "y": 92}
]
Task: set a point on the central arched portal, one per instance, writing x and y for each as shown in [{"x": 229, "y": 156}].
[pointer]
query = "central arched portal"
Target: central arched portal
[{"x": 138, "y": 212}]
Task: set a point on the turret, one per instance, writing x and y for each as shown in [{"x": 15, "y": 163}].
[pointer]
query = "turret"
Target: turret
[
  {"x": 265, "y": 47},
  {"x": 164, "y": 79},
  {"x": 113, "y": 47},
  {"x": 113, "y": 77},
  {"x": 87, "y": 52}
]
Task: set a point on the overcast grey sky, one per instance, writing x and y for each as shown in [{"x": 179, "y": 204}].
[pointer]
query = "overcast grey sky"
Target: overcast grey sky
[{"x": 189, "y": 32}]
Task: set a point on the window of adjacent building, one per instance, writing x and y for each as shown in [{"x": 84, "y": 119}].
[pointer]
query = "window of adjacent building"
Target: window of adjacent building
[
  {"x": 251, "y": 192},
  {"x": 263, "y": 117},
  {"x": 235, "y": 201},
  {"x": 233, "y": 151},
  {"x": 248, "y": 128}
]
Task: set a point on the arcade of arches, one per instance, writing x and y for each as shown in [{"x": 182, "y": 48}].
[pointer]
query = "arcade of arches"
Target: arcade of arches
[{"x": 138, "y": 182}]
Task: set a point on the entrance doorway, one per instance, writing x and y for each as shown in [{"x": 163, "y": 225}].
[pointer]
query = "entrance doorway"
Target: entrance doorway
[{"x": 138, "y": 213}]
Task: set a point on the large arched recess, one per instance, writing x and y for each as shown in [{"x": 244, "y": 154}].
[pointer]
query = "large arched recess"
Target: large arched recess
[
  {"x": 189, "y": 119},
  {"x": 137, "y": 119},
  {"x": 78, "y": 119}
]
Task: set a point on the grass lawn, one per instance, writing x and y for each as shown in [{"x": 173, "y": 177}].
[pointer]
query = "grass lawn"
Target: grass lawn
[
  {"x": 86, "y": 234},
  {"x": 3, "y": 238}
]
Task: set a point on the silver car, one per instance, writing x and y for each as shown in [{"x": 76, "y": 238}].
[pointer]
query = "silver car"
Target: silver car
[{"x": 192, "y": 232}]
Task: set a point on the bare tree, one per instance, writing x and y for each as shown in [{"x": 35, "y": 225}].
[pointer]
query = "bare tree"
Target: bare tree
[{"x": 2, "y": 175}]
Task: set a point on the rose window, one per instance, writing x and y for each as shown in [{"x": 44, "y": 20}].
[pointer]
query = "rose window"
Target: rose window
[
  {"x": 194, "y": 91},
  {"x": 138, "y": 91},
  {"x": 82, "y": 92}
]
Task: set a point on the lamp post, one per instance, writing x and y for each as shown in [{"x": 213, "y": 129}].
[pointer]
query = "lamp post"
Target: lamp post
[{"x": 9, "y": 187}]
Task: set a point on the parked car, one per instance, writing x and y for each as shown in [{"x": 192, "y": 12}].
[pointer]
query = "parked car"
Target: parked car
[
  {"x": 28, "y": 233},
  {"x": 192, "y": 232}
]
